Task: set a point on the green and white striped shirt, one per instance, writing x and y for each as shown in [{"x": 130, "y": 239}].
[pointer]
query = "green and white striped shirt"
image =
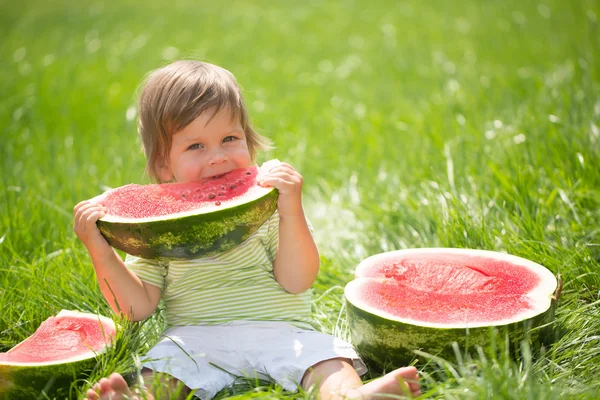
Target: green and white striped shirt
[{"x": 235, "y": 285}]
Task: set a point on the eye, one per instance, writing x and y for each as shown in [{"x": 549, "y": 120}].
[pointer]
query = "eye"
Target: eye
[
  {"x": 229, "y": 139},
  {"x": 195, "y": 146}
]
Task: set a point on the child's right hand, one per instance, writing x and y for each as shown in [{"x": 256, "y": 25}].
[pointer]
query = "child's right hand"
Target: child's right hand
[{"x": 86, "y": 213}]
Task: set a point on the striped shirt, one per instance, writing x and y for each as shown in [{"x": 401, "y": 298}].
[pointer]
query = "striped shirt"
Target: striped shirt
[{"x": 238, "y": 284}]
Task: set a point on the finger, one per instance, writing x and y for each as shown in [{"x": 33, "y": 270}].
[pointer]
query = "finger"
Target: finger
[
  {"x": 95, "y": 216},
  {"x": 79, "y": 206},
  {"x": 85, "y": 206},
  {"x": 280, "y": 180},
  {"x": 283, "y": 168},
  {"x": 89, "y": 217},
  {"x": 83, "y": 213},
  {"x": 86, "y": 203},
  {"x": 283, "y": 175},
  {"x": 80, "y": 216},
  {"x": 285, "y": 165},
  {"x": 280, "y": 184}
]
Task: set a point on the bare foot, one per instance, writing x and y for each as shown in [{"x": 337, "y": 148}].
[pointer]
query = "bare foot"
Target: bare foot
[
  {"x": 402, "y": 381},
  {"x": 112, "y": 388}
]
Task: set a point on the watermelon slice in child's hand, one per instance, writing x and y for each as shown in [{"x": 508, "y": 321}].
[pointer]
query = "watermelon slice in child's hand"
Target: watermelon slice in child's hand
[{"x": 187, "y": 220}]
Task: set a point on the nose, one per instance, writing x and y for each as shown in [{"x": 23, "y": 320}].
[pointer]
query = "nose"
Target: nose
[{"x": 217, "y": 157}]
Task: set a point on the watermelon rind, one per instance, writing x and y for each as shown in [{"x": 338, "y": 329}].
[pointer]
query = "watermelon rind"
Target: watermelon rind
[
  {"x": 382, "y": 342},
  {"x": 51, "y": 379},
  {"x": 382, "y": 339},
  {"x": 193, "y": 234},
  {"x": 33, "y": 382}
]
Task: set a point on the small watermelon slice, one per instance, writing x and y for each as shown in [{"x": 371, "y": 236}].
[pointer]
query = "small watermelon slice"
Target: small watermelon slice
[
  {"x": 187, "y": 220},
  {"x": 426, "y": 299},
  {"x": 62, "y": 349}
]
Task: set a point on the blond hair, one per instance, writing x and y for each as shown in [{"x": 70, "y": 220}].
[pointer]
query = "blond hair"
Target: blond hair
[{"x": 173, "y": 96}]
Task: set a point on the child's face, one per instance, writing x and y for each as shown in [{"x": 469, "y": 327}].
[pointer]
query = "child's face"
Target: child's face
[{"x": 205, "y": 148}]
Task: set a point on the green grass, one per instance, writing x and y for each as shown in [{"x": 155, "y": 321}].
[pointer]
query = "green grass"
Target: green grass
[{"x": 461, "y": 124}]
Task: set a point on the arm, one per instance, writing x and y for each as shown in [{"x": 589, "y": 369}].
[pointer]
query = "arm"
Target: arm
[
  {"x": 296, "y": 262},
  {"x": 120, "y": 287}
]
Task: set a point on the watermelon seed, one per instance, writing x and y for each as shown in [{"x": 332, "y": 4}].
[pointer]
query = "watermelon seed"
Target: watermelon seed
[
  {"x": 232, "y": 186},
  {"x": 217, "y": 203},
  {"x": 221, "y": 194},
  {"x": 248, "y": 173},
  {"x": 211, "y": 196}
]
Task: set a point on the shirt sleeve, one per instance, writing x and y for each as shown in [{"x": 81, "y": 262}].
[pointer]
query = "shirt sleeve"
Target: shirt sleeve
[
  {"x": 149, "y": 271},
  {"x": 272, "y": 240}
]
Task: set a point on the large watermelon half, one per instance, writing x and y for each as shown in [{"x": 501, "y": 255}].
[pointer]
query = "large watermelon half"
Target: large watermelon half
[
  {"x": 60, "y": 351},
  {"x": 187, "y": 220},
  {"x": 426, "y": 299}
]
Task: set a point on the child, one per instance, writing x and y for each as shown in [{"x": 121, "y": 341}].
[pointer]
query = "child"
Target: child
[{"x": 242, "y": 312}]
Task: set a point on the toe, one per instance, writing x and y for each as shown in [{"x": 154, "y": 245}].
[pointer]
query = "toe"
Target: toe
[
  {"x": 91, "y": 394},
  {"x": 105, "y": 388},
  {"x": 94, "y": 392},
  {"x": 414, "y": 382},
  {"x": 119, "y": 385}
]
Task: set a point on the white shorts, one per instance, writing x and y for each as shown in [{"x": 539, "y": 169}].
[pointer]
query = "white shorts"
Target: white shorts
[{"x": 275, "y": 351}]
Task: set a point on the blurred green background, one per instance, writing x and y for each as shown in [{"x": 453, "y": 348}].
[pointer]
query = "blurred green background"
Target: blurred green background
[{"x": 414, "y": 124}]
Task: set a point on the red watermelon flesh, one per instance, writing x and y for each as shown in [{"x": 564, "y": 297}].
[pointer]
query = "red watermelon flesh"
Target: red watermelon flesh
[
  {"x": 450, "y": 287},
  {"x": 144, "y": 201},
  {"x": 69, "y": 336}
]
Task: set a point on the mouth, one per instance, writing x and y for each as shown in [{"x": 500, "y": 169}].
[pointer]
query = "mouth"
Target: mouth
[{"x": 218, "y": 176}]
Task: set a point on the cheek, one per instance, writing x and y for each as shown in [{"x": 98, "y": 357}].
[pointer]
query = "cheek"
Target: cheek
[
  {"x": 241, "y": 149},
  {"x": 191, "y": 162},
  {"x": 242, "y": 154}
]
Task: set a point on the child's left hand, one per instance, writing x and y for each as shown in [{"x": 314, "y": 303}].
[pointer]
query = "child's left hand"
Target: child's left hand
[{"x": 289, "y": 183}]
